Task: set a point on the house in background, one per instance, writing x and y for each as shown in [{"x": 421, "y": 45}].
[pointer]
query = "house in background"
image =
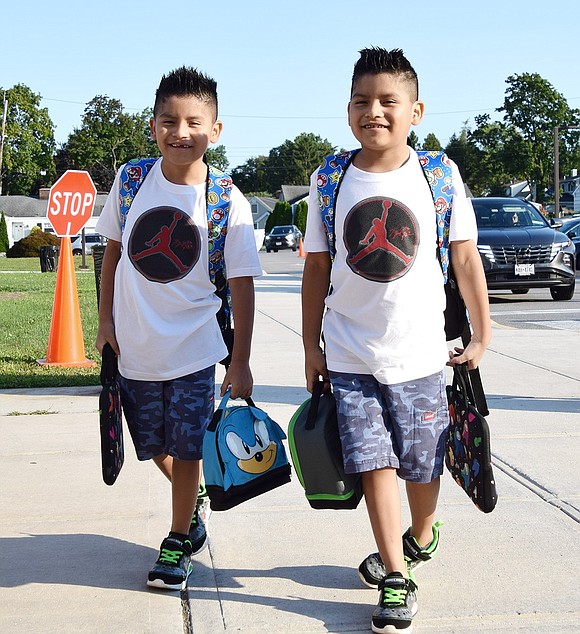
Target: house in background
[
  {"x": 262, "y": 207},
  {"x": 22, "y": 213}
]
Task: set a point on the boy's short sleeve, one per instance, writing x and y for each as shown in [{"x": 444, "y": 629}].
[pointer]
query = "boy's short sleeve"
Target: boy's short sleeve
[
  {"x": 463, "y": 225},
  {"x": 241, "y": 250},
  {"x": 109, "y": 222},
  {"x": 315, "y": 239}
]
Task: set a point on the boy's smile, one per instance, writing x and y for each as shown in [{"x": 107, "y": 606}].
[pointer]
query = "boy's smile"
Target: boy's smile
[
  {"x": 380, "y": 113},
  {"x": 183, "y": 129}
]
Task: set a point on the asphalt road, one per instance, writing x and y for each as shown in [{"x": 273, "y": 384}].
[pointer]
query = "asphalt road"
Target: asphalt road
[{"x": 535, "y": 310}]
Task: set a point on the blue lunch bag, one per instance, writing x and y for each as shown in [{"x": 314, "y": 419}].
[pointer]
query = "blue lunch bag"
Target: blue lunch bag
[{"x": 243, "y": 455}]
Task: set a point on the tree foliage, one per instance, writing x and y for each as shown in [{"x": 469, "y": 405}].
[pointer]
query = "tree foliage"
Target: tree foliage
[
  {"x": 532, "y": 109},
  {"x": 291, "y": 163},
  {"x": 217, "y": 157},
  {"x": 431, "y": 142},
  {"x": 107, "y": 138},
  {"x": 300, "y": 216},
  {"x": 413, "y": 140},
  {"x": 4, "y": 242},
  {"x": 28, "y": 157},
  {"x": 281, "y": 215}
]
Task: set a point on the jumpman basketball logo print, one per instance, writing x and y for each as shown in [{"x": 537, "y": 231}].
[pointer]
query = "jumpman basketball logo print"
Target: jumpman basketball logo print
[
  {"x": 381, "y": 237},
  {"x": 164, "y": 244}
]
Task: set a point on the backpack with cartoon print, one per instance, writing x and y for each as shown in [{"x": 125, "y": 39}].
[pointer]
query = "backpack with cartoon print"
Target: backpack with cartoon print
[
  {"x": 437, "y": 171},
  {"x": 218, "y": 194},
  {"x": 243, "y": 455}
]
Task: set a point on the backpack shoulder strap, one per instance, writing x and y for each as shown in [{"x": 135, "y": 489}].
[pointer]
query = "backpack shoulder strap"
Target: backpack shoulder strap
[
  {"x": 218, "y": 196},
  {"x": 330, "y": 174},
  {"x": 437, "y": 171},
  {"x": 133, "y": 174}
]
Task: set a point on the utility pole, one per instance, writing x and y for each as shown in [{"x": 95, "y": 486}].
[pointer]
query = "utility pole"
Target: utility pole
[{"x": 2, "y": 139}]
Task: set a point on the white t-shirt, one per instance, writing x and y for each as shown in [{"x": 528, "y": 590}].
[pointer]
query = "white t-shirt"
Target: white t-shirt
[
  {"x": 385, "y": 311},
  {"x": 164, "y": 304}
]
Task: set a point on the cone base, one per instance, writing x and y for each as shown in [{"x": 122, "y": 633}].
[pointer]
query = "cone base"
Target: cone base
[{"x": 87, "y": 363}]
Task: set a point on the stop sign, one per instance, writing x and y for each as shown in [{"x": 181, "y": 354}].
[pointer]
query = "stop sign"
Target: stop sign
[{"x": 71, "y": 203}]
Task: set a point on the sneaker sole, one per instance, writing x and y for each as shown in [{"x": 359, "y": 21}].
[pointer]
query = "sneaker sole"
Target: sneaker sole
[
  {"x": 163, "y": 585},
  {"x": 391, "y": 629}
]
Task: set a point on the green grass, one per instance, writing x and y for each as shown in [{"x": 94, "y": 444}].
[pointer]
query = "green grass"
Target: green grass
[{"x": 26, "y": 298}]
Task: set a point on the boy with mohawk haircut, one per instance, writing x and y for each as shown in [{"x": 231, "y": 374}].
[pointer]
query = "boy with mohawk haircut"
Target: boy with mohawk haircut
[
  {"x": 385, "y": 348},
  {"x": 158, "y": 306}
]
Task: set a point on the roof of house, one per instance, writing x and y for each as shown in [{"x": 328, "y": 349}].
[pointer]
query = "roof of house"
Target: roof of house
[
  {"x": 294, "y": 193},
  {"x": 28, "y": 207},
  {"x": 267, "y": 201}
]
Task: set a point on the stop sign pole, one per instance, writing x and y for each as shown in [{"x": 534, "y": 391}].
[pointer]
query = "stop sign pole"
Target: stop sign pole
[{"x": 70, "y": 206}]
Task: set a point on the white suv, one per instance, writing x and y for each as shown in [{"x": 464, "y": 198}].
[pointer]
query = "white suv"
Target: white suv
[{"x": 91, "y": 239}]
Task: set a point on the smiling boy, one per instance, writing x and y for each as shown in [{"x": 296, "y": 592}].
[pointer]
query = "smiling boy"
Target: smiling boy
[
  {"x": 157, "y": 305},
  {"x": 385, "y": 349}
]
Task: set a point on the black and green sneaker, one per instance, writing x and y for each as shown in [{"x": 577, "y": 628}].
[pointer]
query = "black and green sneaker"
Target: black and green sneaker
[
  {"x": 172, "y": 566},
  {"x": 197, "y": 533},
  {"x": 397, "y": 605},
  {"x": 372, "y": 570}
]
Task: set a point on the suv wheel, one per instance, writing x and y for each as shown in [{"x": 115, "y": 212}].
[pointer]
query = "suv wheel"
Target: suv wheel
[
  {"x": 563, "y": 292},
  {"x": 77, "y": 252}
]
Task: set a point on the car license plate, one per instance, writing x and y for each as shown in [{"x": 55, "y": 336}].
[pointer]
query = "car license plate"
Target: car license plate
[
  {"x": 524, "y": 269},
  {"x": 278, "y": 244}
]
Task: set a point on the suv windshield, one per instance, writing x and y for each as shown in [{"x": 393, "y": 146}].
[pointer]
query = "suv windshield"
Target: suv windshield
[
  {"x": 281, "y": 231},
  {"x": 516, "y": 213}
]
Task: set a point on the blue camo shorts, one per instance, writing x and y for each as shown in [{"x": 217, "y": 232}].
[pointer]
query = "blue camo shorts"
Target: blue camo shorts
[
  {"x": 399, "y": 426},
  {"x": 169, "y": 417}
]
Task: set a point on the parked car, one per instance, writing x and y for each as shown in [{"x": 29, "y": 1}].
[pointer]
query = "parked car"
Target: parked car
[
  {"x": 571, "y": 227},
  {"x": 90, "y": 240},
  {"x": 283, "y": 237},
  {"x": 521, "y": 250}
]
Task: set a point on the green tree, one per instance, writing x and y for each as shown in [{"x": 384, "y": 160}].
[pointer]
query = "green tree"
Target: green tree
[
  {"x": 500, "y": 156},
  {"x": 413, "y": 140},
  {"x": 29, "y": 144},
  {"x": 293, "y": 162},
  {"x": 300, "y": 216},
  {"x": 4, "y": 242},
  {"x": 107, "y": 138},
  {"x": 217, "y": 157},
  {"x": 281, "y": 215},
  {"x": 531, "y": 110},
  {"x": 251, "y": 176},
  {"x": 431, "y": 142}
]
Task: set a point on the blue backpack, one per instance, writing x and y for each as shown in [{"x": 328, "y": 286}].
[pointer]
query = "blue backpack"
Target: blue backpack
[
  {"x": 243, "y": 455},
  {"x": 437, "y": 172},
  {"x": 218, "y": 194}
]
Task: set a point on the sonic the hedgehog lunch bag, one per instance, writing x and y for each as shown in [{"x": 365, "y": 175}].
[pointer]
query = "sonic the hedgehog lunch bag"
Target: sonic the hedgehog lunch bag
[{"x": 243, "y": 455}]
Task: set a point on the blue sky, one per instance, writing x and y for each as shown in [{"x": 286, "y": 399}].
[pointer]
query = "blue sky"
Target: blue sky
[{"x": 284, "y": 67}]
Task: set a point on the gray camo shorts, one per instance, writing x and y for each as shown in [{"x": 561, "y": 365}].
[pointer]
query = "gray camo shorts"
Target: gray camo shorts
[
  {"x": 399, "y": 426},
  {"x": 169, "y": 417}
]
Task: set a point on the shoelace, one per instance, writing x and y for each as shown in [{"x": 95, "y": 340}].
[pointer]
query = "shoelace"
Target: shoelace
[
  {"x": 170, "y": 556},
  {"x": 393, "y": 597}
]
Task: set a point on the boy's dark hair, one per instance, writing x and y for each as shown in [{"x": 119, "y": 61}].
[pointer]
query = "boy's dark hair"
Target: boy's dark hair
[
  {"x": 186, "y": 82},
  {"x": 375, "y": 60}
]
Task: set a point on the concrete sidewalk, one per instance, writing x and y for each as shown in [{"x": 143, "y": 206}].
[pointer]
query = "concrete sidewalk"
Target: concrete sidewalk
[{"x": 74, "y": 553}]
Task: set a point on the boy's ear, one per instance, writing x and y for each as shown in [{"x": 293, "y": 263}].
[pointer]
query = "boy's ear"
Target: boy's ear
[
  {"x": 152, "y": 128},
  {"x": 216, "y": 131},
  {"x": 418, "y": 112}
]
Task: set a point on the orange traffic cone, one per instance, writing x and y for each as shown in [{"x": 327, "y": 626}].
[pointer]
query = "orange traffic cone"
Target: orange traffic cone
[
  {"x": 301, "y": 251},
  {"x": 66, "y": 347}
]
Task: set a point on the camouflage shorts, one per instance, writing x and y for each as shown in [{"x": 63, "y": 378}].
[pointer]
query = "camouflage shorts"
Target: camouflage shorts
[
  {"x": 169, "y": 416},
  {"x": 397, "y": 426}
]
